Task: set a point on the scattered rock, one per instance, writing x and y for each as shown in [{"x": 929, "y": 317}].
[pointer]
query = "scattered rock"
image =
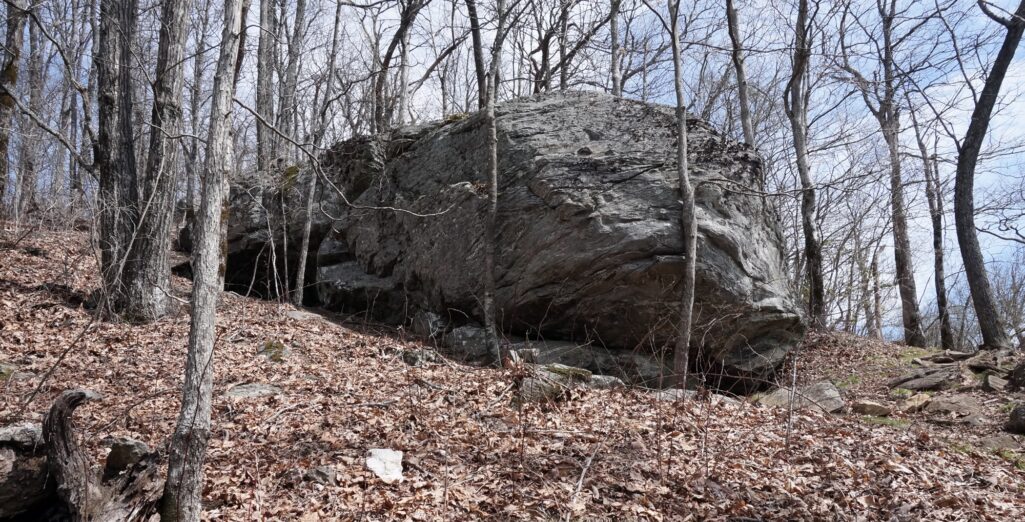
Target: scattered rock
[
  {"x": 386, "y": 464},
  {"x": 124, "y": 453},
  {"x": 1016, "y": 421},
  {"x": 24, "y": 477},
  {"x": 915, "y": 403},
  {"x": 1002, "y": 442},
  {"x": 325, "y": 475},
  {"x": 824, "y": 396},
  {"x": 993, "y": 383},
  {"x": 421, "y": 356},
  {"x": 468, "y": 341},
  {"x": 252, "y": 390},
  {"x": 954, "y": 405},
  {"x": 865, "y": 407},
  {"x": 7, "y": 371},
  {"x": 925, "y": 379},
  {"x": 675, "y": 394},
  {"x": 274, "y": 350},
  {"x": 303, "y": 315},
  {"x": 947, "y": 356},
  {"x": 429, "y": 325},
  {"x": 606, "y": 382}
]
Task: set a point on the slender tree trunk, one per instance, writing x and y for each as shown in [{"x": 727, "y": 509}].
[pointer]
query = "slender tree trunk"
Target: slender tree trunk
[
  {"x": 184, "y": 487},
  {"x": 993, "y": 333},
  {"x": 478, "y": 53},
  {"x": 934, "y": 197},
  {"x": 287, "y": 113},
  {"x": 877, "y": 296},
  {"x": 13, "y": 43},
  {"x": 797, "y": 112},
  {"x": 614, "y": 69},
  {"x": 688, "y": 223},
  {"x": 147, "y": 272},
  {"x": 736, "y": 52},
  {"x": 491, "y": 217},
  {"x": 195, "y": 105},
  {"x": 318, "y": 137},
  {"x": 29, "y": 172},
  {"x": 402, "y": 105},
  {"x": 265, "y": 152}
]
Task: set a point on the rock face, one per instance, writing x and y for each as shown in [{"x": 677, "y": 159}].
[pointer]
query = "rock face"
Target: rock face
[{"x": 589, "y": 245}]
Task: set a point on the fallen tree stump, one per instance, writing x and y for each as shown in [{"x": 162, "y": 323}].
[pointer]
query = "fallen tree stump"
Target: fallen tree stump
[{"x": 49, "y": 476}]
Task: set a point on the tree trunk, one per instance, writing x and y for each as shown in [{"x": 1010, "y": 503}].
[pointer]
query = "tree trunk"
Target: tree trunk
[
  {"x": 934, "y": 197},
  {"x": 265, "y": 153},
  {"x": 16, "y": 16},
  {"x": 993, "y": 333},
  {"x": 124, "y": 495},
  {"x": 29, "y": 171},
  {"x": 688, "y": 223},
  {"x": 491, "y": 216},
  {"x": 184, "y": 487},
  {"x": 288, "y": 110},
  {"x": 614, "y": 69},
  {"x": 797, "y": 112},
  {"x": 114, "y": 150},
  {"x": 736, "y": 52},
  {"x": 478, "y": 53},
  {"x": 147, "y": 275}
]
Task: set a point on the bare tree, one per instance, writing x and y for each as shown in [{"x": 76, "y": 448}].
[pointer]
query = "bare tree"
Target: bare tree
[
  {"x": 795, "y": 101},
  {"x": 737, "y": 54},
  {"x": 16, "y": 16},
  {"x": 993, "y": 333},
  {"x": 184, "y": 487}
]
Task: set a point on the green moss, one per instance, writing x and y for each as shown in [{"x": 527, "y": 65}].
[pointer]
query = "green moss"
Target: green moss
[
  {"x": 289, "y": 175},
  {"x": 910, "y": 354},
  {"x": 459, "y": 116},
  {"x": 274, "y": 350},
  {"x": 963, "y": 448},
  {"x": 850, "y": 381},
  {"x": 886, "y": 421},
  {"x": 1008, "y": 407},
  {"x": 6, "y": 371},
  {"x": 1013, "y": 457},
  {"x": 901, "y": 393}
]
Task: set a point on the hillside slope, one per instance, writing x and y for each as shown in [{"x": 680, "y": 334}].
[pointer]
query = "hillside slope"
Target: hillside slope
[{"x": 470, "y": 452}]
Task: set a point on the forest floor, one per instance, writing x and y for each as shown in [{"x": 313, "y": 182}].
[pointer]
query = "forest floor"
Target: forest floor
[{"x": 470, "y": 452}]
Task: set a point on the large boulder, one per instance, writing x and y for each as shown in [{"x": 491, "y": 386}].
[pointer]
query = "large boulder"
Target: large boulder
[{"x": 588, "y": 232}]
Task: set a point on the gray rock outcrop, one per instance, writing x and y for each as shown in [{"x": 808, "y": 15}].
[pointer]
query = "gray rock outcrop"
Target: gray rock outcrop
[{"x": 589, "y": 246}]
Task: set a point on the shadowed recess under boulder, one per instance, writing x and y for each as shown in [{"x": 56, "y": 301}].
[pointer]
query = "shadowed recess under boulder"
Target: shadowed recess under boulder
[{"x": 589, "y": 246}]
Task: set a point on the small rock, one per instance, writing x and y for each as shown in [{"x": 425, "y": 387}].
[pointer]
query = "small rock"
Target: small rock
[
  {"x": 823, "y": 396},
  {"x": 386, "y": 464},
  {"x": 542, "y": 388},
  {"x": 124, "y": 453},
  {"x": 302, "y": 315},
  {"x": 429, "y": 325},
  {"x": 873, "y": 408},
  {"x": 1002, "y": 442},
  {"x": 954, "y": 405},
  {"x": 1016, "y": 421},
  {"x": 419, "y": 357},
  {"x": 993, "y": 383},
  {"x": 468, "y": 341},
  {"x": 325, "y": 475},
  {"x": 275, "y": 351},
  {"x": 252, "y": 390},
  {"x": 927, "y": 379},
  {"x": 915, "y": 403},
  {"x": 7, "y": 371},
  {"x": 605, "y": 382}
]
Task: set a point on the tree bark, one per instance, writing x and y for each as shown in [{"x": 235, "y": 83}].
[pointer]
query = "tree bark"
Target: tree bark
[
  {"x": 993, "y": 333},
  {"x": 614, "y": 69},
  {"x": 114, "y": 150},
  {"x": 736, "y": 53},
  {"x": 126, "y": 495},
  {"x": 13, "y": 42},
  {"x": 29, "y": 172},
  {"x": 147, "y": 273},
  {"x": 478, "y": 54},
  {"x": 934, "y": 197},
  {"x": 795, "y": 100},
  {"x": 265, "y": 152},
  {"x": 184, "y": 487},
  {"x": 688, "y": 223}
]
